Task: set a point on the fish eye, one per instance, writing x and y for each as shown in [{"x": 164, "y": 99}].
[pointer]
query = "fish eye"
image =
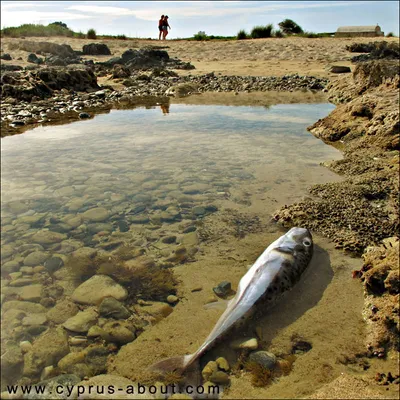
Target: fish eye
[{"x": 306, "y": 243}]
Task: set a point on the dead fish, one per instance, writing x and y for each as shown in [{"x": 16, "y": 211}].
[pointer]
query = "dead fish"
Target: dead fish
[{"x": 277, "y": 269}]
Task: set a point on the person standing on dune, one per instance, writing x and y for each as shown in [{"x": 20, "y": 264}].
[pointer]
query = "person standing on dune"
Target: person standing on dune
[
  {"x": 165, "y": 27},
  {"x": 160, "y": 27}
]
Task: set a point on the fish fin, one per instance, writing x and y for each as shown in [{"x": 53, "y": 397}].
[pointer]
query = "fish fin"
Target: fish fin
[
  {"x": 173, "y": 364},
  {"x": 185, "y": 366},
  {"x": 217, "y": 305}
]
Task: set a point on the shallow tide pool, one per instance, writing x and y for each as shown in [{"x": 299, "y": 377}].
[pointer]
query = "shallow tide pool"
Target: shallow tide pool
[{"x": 189, "y": 189}]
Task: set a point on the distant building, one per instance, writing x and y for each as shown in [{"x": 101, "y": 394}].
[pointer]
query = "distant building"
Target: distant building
[{"x": 353, "y": 31}]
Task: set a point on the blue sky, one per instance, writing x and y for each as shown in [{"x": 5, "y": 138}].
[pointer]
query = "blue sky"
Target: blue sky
[{"x": 139, "y": 18}]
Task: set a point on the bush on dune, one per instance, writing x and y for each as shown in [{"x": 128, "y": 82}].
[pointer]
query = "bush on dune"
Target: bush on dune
[
  {"x": 260, "y": 32},
  {"x": 241, "y": 35}
]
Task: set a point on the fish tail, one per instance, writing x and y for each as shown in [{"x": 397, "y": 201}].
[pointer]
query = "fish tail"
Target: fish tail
[{"x": 171, "y": 365}]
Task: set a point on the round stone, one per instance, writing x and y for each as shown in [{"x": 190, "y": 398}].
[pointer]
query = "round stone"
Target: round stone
[
  {"x": 97, "y": 214},
  {"x": 97, "y": 288},
  {"x": 35, "y": 258}
]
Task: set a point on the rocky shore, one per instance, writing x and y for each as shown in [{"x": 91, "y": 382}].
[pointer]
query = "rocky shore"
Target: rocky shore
[{"x": 361, "y": 213}]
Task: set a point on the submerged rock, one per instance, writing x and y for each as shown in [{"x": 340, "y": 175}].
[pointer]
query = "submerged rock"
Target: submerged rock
[
  {"x": 82, "y": 321},
  {"x": 97, "y": 288}
]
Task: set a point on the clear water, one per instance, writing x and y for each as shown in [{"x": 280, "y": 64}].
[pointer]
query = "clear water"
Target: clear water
[{"x": 154, "y": 174}]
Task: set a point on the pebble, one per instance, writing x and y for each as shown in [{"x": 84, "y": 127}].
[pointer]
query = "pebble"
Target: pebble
[
  {"x": 171, "y": 299},
  {"x": 97, "y": 288},
  {"x": 250, "y": 344},
  {"x": 97, "y": 214},
  {"x": 112, "y": 308},
  {"x": 223, "y": 289},
  {"x": 220, "y": 378},
  {"x": 264, "y": 358},
  {"x": 82, "y": 321},
  {"x": 210, "y": 368},
  {"x": 25, "y": 346},
  {"x": 222, "y": 363}
]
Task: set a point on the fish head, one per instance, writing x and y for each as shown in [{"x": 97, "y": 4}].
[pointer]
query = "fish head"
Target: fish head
[{"x": 300, "y": 242}]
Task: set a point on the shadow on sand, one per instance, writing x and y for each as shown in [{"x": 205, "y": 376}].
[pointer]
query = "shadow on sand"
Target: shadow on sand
[{"x": 305, "y": 295}]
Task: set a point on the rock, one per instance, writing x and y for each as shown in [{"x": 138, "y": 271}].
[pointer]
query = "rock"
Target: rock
[
  {"x": 171, "y": 299},
  {"x": 339, "y": 69},
  {"x": 20, "y": 281},
  {"x": 9, "y": 267},
  {"x": 33, "y": 58},
  {"x": 97, "y": 214},
  {"x": 24, "y": 306},
  {"x": 7, "y": 250},
  {"x": 157, "y": 310},
  {"x": 264, "y": 358},
  {"x": 97, "y": 288},
  {"x": 219, "y": 378},
  {"x": 222, "y": 364},
  {"x": 209, "y": 369},
  {"x": 47, "y": 350},
  {"x": 27, "y": 270},
  {"x": 93, "y": 49},
  {"x": 31, "y": 293},
  {"x": 182, "y": 90},
  {"x": 6, "y": 56},
  {"x": 250, "y": 344},
  {"x": 96, "y": 331},
  {"x": 84, "y": 115},
  {"x": 96, "y": 359},
  {"x": 11, "y": 361},
  {"x": 53, "y": 264},
  {"x": 34, "y": 319},
  {"x": 223, "y": 289},
  {"x": 62, "y": 311},
  {"x": 112, "y": 308},
  {"x": 169, "y": 239},
  {"x": 82, "y": 321},
  {"x": 119, "y": 332},
  {"x": 85, "y": 252},
  {"x": 35, "y": 258},
  {"x": 48, "y": 237},
  {"x": 25, "y": 346},
  {"x": 71, "y": 359}
]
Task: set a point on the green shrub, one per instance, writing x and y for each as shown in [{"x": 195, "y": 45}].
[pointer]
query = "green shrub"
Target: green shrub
[
  {"x": 121, "y": 37},
  {"x": 242, "y": 34},
  {"x": 278, "y": 33},
  {"x": 54, "y": 29},
  {"x": 390, "y": 34},
  {"x": 200, "y": 36},
  {"x": 79, "y": 35},
  {"x": 289, "y": 27},
  {"x": 259, "y": 32},
  {"x": 91, "y": 34}
]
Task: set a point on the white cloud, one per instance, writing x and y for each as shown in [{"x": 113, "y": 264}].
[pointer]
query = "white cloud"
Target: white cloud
[
  {"x": 213, "y": 10},
  {"x": 16, "y": 18}
]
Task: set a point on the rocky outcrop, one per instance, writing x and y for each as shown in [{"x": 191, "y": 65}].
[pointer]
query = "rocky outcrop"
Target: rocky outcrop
[
  {"x": 368, "y": 126},
  {"x": 146, "y": 58},
  {"x": 42, "y": 83},
  {"x": 94, "y": 49},
  {"x": 63, "y": 50}
]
